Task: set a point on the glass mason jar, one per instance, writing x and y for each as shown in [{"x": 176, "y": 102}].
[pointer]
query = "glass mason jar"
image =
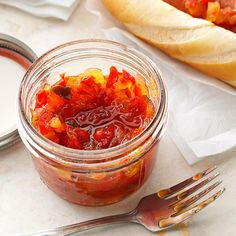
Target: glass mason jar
[{"x": 92, "y": 177}]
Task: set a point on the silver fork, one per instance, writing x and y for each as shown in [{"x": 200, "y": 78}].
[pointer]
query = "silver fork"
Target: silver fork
[{"x": 158, "y": 211}]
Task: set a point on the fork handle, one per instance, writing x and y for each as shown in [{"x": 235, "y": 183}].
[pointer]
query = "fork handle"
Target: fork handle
[{"x": 75, "y": 228}]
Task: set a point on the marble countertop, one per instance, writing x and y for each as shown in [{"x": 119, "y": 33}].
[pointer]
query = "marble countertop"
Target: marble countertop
[{"x": 26, "y": 205}]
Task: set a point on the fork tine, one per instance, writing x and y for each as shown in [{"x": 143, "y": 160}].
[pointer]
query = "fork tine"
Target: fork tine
[
  {"x": 179, "y": 207},
  {"x": 173, "y": 220},
  {"x": 176, "y": 188},
  {"x": 191, "y": 190}
]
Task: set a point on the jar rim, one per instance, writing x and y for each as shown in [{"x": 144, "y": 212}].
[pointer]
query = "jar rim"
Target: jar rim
[{"x": 32, "y": 134}]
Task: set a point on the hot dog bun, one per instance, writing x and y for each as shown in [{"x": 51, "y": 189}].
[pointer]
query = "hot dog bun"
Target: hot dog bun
[{"x": 199, "y": 43}]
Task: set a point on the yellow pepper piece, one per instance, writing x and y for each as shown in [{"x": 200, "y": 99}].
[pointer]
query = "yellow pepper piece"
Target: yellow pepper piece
[
  {"x": 47, "y": 88},
  {"x": 64, "y": 174},
  {"x": 134, "y": 169},
  {"x": 213, "y": 10},
  {"x": 97, "y": 176},
  {"x": 34, "y": 118},
  {"x": 125, "y": 87},
  {"x": 74, "y": 81},
  {"x": 97, "y": 74},
  {"x": 141, "y": 84},
  {"x": 55, "y": 123}
]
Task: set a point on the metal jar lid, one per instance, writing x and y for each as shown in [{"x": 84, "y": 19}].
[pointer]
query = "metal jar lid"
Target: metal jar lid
[{"x": 15, "y": 58}]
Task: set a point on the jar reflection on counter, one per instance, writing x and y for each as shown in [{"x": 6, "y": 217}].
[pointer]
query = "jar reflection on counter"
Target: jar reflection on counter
[{"x": 94, "y": 177}]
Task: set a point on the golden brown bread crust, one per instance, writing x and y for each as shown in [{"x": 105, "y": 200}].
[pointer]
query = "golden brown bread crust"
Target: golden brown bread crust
[{"x": 199, "y": 43}]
